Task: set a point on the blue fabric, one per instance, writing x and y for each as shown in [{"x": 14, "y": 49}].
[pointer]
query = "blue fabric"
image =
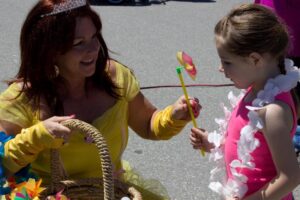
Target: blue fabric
[
  {"x": 20, "y": 176},
  {"x": 296, "y": 139},
  {"x": 3, "y": 139}
]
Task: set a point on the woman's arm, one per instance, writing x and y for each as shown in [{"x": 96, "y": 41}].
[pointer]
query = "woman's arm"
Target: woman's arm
[
  {"x": 9, "y": 128},
  {"x": 278, "y": 119},
  {"x": 154, "y": 124},
  {"x": 28, "y": 142},
  {"x": 140, "y": 114}
]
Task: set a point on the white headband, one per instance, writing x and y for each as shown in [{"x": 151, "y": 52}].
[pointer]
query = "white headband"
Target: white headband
[{"x": 66, "y": 6}]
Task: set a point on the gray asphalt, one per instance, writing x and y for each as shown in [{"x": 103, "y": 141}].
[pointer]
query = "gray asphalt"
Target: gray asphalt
[{"x": 147, "y": 38}]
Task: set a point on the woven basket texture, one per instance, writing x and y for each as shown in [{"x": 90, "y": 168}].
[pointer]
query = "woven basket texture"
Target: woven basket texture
[{"x": 106, "y": 188}]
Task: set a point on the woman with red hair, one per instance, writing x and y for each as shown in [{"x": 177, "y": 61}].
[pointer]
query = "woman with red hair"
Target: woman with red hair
[{"x": 66, "y": 73}]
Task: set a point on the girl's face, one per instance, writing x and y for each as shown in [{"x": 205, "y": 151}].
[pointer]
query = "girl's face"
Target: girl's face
[
  {"x": 239, "y": 70},
  {"x": 80, "y": 61}
]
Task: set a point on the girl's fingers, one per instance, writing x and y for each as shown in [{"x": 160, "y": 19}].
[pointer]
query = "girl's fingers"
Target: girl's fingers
[
  {"x": 196, "y": 131},
  {"x": 194, "y": 139},
  {"x": 197, "y": 147}
]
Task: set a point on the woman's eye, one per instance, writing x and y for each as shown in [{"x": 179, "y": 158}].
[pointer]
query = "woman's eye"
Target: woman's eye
[{"x": 77, "y": 43}]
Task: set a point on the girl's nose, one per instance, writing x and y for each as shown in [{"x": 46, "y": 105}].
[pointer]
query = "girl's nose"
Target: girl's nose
[{"x": 221, "y": 69}]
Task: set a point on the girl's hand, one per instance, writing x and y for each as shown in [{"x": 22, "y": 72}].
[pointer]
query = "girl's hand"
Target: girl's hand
[
  {"x": 198, "y": 138},
  {"x": 55, "y": 128},
  {"x": 180, "y": 108},
  {"x": 232, "y": 198}
]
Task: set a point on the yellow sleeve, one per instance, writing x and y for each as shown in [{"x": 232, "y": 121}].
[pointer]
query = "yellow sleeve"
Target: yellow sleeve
[
  {"x": 163, "y": 126},
  {"x": 14, "y": 107},
  {"x": 127, "y": 82},
  {"x": 24, "y": 148}
]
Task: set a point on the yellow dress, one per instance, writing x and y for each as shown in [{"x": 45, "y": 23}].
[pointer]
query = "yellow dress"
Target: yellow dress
[{"x": 80, "y": 159}]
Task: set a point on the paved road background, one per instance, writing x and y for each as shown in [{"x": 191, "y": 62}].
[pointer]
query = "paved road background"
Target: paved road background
[{"x": 146, "y": 38}]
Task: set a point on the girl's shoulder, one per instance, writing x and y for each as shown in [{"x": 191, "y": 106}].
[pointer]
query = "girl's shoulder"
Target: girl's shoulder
[{"x": 277, "y": 114}]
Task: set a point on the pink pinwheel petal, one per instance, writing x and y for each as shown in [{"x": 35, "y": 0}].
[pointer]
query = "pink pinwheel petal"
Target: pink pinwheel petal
[
  {"x": 20, "y": 195},
  {"x": 187, "y": 59},
  {"x": 191, "y": 70}
]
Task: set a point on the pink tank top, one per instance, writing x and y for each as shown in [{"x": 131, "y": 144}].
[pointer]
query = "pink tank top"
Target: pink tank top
[{"x": 265, "y": 169}]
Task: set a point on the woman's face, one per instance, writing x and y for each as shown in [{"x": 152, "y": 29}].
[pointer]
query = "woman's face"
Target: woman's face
[{"x": 80, "y": 61}]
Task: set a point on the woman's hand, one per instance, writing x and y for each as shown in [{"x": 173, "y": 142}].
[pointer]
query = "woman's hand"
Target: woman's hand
[
  {"x": 180, "y": 108},
  {"x": 55, "y": 128},
  {"x": 199, "y": 139}
]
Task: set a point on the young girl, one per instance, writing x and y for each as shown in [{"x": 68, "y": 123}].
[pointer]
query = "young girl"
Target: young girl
[{"x": 255, "y": 139}]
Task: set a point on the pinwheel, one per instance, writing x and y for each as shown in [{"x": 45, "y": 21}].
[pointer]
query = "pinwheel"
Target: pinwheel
[
  {"x": 27, "y": 190},
  {"x": 21, "y": 195},
  {"x": 186, "y": 62}
]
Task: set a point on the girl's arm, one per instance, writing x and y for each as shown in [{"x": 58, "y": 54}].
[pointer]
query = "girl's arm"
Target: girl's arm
[{"x": 278, "y": 119}]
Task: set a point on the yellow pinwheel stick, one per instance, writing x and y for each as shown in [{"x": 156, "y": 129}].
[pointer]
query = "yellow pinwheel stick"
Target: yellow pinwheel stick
[{"x": 178, "y": 69}]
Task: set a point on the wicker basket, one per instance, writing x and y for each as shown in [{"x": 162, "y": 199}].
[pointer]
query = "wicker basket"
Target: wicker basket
[{"x": 91, "y": 188}]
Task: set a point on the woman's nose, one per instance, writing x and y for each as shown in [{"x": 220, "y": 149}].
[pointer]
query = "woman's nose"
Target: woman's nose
[{"x": 94, "y": 45}]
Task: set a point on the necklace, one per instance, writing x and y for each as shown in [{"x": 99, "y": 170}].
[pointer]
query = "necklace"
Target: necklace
[{"x": 237, "y": 185}]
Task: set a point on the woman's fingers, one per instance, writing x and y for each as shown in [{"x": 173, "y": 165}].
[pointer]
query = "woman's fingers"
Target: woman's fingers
[
  {"x": 194, "y": 102},
  {"x": 62, "y": 118},
  {"x": 181, "y": 110},
  {"x": 54, "y": 126}
]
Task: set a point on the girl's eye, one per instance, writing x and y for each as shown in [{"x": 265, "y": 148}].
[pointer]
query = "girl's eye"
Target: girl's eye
[{"x": 226, "y": 63}]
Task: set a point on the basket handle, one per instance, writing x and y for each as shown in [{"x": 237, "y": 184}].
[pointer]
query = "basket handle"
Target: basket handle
[{"x": 57, "y": 171}]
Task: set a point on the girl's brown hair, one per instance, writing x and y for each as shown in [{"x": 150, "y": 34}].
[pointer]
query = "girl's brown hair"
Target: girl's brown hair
[
  {"x": 254, "y": 28},
  {"x": 43, "y": 38}
]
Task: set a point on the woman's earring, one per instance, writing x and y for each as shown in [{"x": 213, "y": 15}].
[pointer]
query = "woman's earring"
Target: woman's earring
[{"x": 56, "y": 69}]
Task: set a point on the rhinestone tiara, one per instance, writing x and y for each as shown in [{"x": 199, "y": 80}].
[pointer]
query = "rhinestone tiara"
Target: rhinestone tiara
[{"x": 66, "y": 6}]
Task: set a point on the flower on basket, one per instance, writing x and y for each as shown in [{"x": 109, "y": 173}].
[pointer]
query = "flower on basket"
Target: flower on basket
[
  {"x": 23, "y": 195},
  {"x": 29, "y": 190},
  {"x": 58, "y": 196}
]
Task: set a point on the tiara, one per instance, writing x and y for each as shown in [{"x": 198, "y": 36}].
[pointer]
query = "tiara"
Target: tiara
[{"x": 66, "y": 6}]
